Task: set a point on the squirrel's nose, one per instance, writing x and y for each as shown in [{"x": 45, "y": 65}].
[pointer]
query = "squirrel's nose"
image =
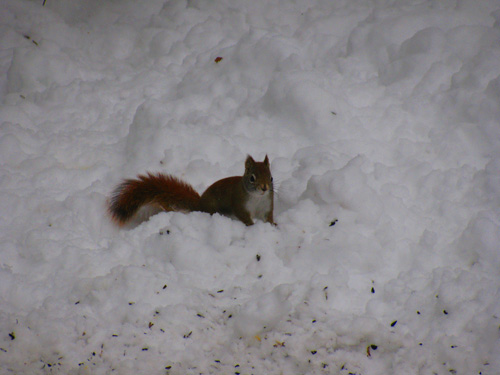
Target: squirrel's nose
[{"x": 265, "y": 187}]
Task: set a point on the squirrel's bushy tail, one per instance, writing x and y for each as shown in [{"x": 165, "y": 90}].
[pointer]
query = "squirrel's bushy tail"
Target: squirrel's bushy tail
[{"x": 165, "y": 192}]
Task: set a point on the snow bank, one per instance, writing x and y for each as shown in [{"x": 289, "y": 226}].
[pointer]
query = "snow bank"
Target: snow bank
[{"x": 381, "y": 123}]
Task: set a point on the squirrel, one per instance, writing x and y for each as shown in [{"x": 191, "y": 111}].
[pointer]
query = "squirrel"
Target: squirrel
[{"x": 246, "y": 197}]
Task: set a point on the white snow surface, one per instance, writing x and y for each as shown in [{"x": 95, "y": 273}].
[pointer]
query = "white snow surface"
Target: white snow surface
[{"x": 382, "y": 123}]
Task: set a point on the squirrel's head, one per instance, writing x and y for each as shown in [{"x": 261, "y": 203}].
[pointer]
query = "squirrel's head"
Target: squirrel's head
[{"x": 257, "y": 178}]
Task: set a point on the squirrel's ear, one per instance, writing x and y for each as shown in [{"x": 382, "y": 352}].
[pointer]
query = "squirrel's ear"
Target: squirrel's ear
[
  {"x": 266, "y": 161},
  {"x": 249, "y": 162}
]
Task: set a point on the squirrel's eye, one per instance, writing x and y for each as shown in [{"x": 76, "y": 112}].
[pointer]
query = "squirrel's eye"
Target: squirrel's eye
[
  {"x": 271, "y": 179},
  {"x": 252, "y": 178}
]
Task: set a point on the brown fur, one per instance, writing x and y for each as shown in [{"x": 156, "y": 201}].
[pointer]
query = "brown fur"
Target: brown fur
[
  {"x": 243, "y": 197},
  {"x": 166, "y": 192}
]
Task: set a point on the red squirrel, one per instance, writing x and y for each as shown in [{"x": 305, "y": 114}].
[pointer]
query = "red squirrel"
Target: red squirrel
[{"x": 246, "y": 197}]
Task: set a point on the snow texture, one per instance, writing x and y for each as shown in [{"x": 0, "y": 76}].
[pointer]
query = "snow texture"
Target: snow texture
[{"x": 382, "y": 123}]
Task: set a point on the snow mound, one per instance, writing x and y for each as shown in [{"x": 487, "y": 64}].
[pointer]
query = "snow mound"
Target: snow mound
[{"x": 381, "y": 123}]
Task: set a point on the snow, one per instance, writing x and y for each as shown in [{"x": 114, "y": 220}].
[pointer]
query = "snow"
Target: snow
[{"x": 381, "y": 122}]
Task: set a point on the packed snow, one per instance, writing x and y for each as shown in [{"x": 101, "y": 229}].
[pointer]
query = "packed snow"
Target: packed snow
[{"x": 382, "y": 123}]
